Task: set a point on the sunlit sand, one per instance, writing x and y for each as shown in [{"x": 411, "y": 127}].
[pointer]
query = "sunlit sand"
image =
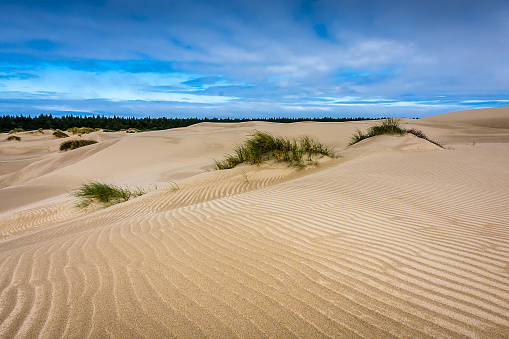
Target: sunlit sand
[{"x": 396, "y": 237}]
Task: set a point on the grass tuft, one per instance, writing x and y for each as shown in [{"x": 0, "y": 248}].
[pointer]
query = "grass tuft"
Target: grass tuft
[
  {"x": 263, "y": 146},
  {"x": 59, "y": 134},
  {"x": 16, "y": 130},
  {"x": 418, "y": 133},
  {"x": 104, "y": 194},
  {"x": 390, "y": 126},
  {"x": 73, "y": 144},
  {"x": 81, "y": 130},
  {"x": 13, "y": 138}
]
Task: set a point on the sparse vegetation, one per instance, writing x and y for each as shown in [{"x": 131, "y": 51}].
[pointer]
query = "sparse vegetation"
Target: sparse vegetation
[
  {"x": 418, "y": 133},
  {"x": 174, "y": 186},
  {"x": 38, "y": 131},
  {"x": 16, "y": 130},
  {"x": 59, "y": 134},
  {"x": 81, "y": 130},
  {"x": 13, "y": 138},
  {"x": 107, "y": 195},
  {"x": 73, "y": 144},
  {"x": 262, "y": 147},
  {"x": 390, "y": 126}
]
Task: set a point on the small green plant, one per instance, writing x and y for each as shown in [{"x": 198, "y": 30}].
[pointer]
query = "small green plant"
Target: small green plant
[
  {"x": 244, "y": 175},
  {"x": 132, "y": 130},
  {"x": 13, "y": 138},
  {"x": 174, "y": 186},
  {"x": 390, "y": 126},
  {"x": 73, "y": 144},
  {"x": 263, "y": 146},
  {"x": 59, "y": 134},
  {"x": 16, "y": 130},
  {"x": 104, "y": 194}
]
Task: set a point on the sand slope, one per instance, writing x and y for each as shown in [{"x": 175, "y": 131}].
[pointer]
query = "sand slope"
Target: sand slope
[{"x": 397, "y": 238}]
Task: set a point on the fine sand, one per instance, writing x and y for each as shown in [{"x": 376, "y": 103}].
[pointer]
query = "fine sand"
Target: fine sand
[{"x": 395, "y": 238}]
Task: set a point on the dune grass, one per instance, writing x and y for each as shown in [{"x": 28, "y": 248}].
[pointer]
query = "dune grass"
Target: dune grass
[
  {"x": 59, "y": 134},
  {"x": 418, "y": 133},
  {"x": 263, "y": 146},
  {"x": 104, "y": 194},
  {"x": 82, "y": 130},
  {"x": 390, "y": 126},
  {"x": 13, "y": 138},
  {"x": 16, "y": 130},
  {"x": 73, "y": 144}
]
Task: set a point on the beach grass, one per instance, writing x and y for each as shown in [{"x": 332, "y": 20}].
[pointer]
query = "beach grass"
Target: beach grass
[
  {"x": 81, "y": 130},
  {"x": 16, "y": 130},
  {"x": 263, "y": 146},
  {"x": 104, "y": 194},
  {"x": 73, "y": 144},
  {"x": 13, "y": 138},
  {"x": 59, "y": 134},
  {"x": 390, "y": 126}
]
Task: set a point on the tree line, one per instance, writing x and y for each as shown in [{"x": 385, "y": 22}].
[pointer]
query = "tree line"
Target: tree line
[{"x": 116, "y": 123}]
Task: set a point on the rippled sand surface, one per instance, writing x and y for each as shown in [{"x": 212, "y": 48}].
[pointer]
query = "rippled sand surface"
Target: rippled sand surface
[{"x": 395, "y": 238}]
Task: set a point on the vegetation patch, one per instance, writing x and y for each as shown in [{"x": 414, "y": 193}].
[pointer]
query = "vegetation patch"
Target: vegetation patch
[
  {"x": 13, "y": 138},
  {"x": 82, "y": 130},
  {"x": 38, "y": 131},
  {"x": 16, "y": 130},
  {"x": 59, "y": 134},
  {"x": 389, "y": 126},
  {"x": 262, "y": 147},
  {"x": 73, "y": 144},
  {"x": 418, "y": 133},
  {"x": 107, "y": 195}
]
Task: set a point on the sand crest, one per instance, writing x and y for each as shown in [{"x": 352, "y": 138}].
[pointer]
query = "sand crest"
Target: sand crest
[{"x": 396, "y": 238}]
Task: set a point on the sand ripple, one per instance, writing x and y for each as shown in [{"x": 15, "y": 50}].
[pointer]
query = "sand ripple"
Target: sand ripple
[{"x": 387, "y": 245}]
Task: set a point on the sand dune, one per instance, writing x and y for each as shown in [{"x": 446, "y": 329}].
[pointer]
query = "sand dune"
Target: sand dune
[{"x": 395, "y": 238}]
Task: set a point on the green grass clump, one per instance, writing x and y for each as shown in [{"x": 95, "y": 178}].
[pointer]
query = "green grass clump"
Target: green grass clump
[
  {"x": 263, "y": 146},
  {"x": 16, "y": 130},
  {"x": 82, "y": 130},
  {"x": 418, "y": 133},
  {"x": 389, "y": 126},
  {"x": 13, "y": 138},
  {"x": 73, "y": 144},
  {"x": 104, "y": 194},
  {"x": 59, "y": 134}
]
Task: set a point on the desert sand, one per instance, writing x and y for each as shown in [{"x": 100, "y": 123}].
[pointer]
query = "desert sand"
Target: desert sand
[{"x": 395, "y": 238}]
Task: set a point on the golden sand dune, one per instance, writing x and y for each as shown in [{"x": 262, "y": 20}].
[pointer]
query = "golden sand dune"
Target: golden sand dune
[{"x": 396, "y": 238}]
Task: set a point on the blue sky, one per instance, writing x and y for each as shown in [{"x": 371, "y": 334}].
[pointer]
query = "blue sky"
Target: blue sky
[{"x": 253, "y": 58}]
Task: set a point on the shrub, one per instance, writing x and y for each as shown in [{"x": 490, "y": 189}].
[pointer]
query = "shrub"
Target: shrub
[
  {"x": 104, "y": 194},
  {"x": 13, "y": 138},
  {"x": 263, "y": 146},
  {"x": 73, "y": 144},
  {"x": 59, "y": 134}
]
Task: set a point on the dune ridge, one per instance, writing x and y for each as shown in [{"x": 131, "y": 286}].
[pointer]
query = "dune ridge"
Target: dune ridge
[{"x": 396, "y": 238}]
